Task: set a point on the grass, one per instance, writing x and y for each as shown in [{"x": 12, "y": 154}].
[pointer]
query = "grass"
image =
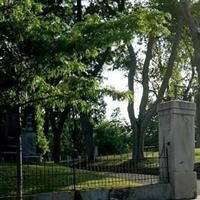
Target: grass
[
  {"x": 124, "y": 161},
  {"x": 197, "y": 155},
  {"x": 151, "y": 160},
  {"x": 197, "y": 162},
  {"x": 52, "y": 177}
]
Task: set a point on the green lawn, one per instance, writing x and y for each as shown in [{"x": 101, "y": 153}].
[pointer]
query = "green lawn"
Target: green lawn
[
  {"x": 197, "y": 155},
  {"x": 151, "y": 159},
  {"x": 197, "y": 162},
  {"x": 52, "y": 177},
  {"x": 149, "y": 164},
  {"x": 124, "y": 161}
]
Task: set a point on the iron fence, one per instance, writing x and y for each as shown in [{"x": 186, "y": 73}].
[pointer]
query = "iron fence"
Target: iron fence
[{"x": 111, "y": 171}]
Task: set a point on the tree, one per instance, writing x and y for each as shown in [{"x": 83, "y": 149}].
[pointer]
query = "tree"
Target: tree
[
  {"x": 141, "y": 69},
  {"x": 120, "y": 51},
  {"x": 196, "y": 44},
  {"x": 110, "y": 138},
  {"x": 44, "y": 55}
]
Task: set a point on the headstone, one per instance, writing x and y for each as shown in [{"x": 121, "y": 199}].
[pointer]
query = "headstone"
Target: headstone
[
  {"x": 29, "y": 147},
  {"x": 29, "y": 140}
]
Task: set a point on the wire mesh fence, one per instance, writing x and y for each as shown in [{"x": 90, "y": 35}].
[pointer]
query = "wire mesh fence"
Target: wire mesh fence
[
  {"x": 111, "y": 171},
  {"x": 8, "y": 179}
]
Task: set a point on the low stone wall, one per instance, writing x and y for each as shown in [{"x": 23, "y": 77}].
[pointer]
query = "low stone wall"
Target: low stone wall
[{"x": 148, "y": 192}]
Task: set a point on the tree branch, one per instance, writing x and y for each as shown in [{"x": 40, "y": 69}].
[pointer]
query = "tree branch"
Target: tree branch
[
  {"x": 145, "y": 77},
  {"x": 194, "y": 31},
  {"x": 168, "y": 74},
  {"x": 131, "y": 75}
]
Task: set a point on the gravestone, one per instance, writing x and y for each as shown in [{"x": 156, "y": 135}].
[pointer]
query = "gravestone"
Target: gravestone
[{"x": 29, "y": 140}]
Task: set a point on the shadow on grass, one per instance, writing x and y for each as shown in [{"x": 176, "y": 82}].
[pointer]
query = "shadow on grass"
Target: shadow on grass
[
  {"x": 197, "y": 169},
  {"x": 51, "y": 177},
  {"x": 148, "y": 166}
]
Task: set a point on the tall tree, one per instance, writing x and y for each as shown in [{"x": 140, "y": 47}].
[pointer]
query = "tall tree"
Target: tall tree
[
  {"x": 41, "y": 49},
  {"x": 140, "y": 71},
  {"x": 196, "y": 44},
  {"x": 112, "y": 10}
]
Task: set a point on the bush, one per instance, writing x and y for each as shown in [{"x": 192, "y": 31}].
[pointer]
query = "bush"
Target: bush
[
  {"x": 42, "y": 142},
  {"x": 111, "y": 138},
  {"x": 151, "y": 135}
]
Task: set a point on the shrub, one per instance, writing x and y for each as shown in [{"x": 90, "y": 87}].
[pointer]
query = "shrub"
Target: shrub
[{"x": 110, "y": 138}]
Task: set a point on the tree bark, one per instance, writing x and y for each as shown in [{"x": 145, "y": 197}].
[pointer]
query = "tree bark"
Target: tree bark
[
  {"x": 145, "y": 78},
  {"x": 152, "y": 110},
  {"x": 79, "y": 10},
  {"x": 140, "y": 125},
  {"x": 194, "y": 32},
  {"x": 131, "y": 111},
  {"x": 57, "y": 129},
  {"x": 121, "y": 5},
  {"x": 140, "y": 134},
  {"x": 138, "y": 139},
  {"x": 87, "y": 129},
  {"x": 46, "y": 123},
  {"x": 138, "y": 144},
  {"x": 196, "y": 43},
  {"x": 86, "y": 124}
]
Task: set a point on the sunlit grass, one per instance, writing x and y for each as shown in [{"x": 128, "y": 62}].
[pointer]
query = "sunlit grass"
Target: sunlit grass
[
  {"x": 197, "y": 155},
  {"x": 107, "y": 182},
  {"x": 52, "y": 177}
]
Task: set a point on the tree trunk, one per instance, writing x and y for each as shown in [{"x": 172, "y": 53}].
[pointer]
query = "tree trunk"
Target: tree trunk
[
  {"x": 46, "y": 123},
  {"x": 137, "y": 144},
  {"x": 138, "y": 147},
  {"x": 196, "y": 43},
  {"x": 79, "y": 10},
  {"x": 57, "y": 129},
  {"x": 165, "y": 83},
  {"x": 140, "y": 125},
  {"x": 56, "y": 140},
  {"x": 56, "y": 147},
  {"x": 88, "y": 134}
]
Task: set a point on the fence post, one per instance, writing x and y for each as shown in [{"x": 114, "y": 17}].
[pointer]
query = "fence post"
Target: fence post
[
  {"x": 19, "y": 158},
  {"x": 74, "y": 173},
  {"x": 176, "y": 136}
]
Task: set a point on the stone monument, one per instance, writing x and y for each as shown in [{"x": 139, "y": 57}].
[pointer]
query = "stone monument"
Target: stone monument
[{"x": 29, "y": 140}]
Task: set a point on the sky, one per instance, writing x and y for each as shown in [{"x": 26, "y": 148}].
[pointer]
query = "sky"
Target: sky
[{"x": 118, "y": 80}]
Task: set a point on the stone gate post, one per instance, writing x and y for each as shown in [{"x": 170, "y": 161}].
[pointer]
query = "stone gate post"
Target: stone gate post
[{"x": 176, "y": 136}]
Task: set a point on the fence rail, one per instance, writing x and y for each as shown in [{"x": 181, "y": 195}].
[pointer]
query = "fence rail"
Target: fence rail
[{"x": 110, "y": 171}]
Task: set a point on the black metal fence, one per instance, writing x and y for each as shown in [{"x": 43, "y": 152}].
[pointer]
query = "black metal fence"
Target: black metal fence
[{"x": 112, "y": 171}]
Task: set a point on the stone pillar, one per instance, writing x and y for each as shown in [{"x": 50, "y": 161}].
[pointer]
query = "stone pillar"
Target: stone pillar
[{"x": 176, "y": 136}]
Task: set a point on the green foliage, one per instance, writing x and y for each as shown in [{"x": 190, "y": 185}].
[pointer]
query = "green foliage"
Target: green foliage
[
  {"x": 42, "y": 142},
  {"x": 109, "y": 137},
  {"x": 48, "y": 58},
  {"x": 44, "y": 55},
  {"x": 117, "y": 95},
  {"x": 151, "y": 134}
]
